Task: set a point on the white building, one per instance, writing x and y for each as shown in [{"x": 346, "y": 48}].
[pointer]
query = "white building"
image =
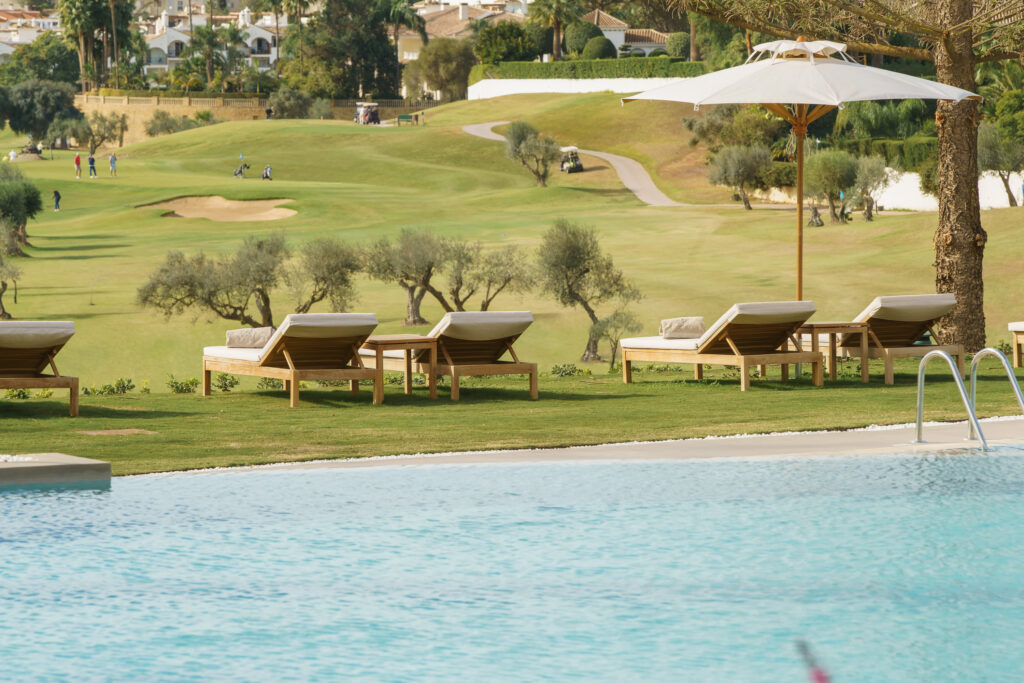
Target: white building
[
  {"x": 171, "y": 36},
  {"x": 21, "y": 27},
  {"x": 643, "y": 41}
]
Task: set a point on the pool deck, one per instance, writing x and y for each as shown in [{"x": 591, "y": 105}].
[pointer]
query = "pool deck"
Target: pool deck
[
  {"x": 868, "y": 441},
  {"x": 35, "y": 469}
]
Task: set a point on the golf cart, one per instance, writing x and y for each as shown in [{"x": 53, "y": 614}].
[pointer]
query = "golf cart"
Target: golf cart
[
  {"x": 571, "y": 160},
  {"x": 367, "y": 113}
]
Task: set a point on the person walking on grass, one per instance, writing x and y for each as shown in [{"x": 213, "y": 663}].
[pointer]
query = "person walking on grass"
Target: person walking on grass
[
  {"x": 92, "y": 166},
  {"x": 78, "y": 166},
  {"x": 113, "y": 165},
  {"x": 56, "y": 200}
]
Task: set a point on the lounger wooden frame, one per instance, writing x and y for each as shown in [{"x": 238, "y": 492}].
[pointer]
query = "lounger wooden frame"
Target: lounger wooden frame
[
  {"x": 298, "y": 359},
  {"x": 888, "y": 341},
  {"x": 739, "y": 345},
  {"x": 458, "y": 358},
  {"x": 1018, "y": 343},
  {"x": 23, "y": 369}
]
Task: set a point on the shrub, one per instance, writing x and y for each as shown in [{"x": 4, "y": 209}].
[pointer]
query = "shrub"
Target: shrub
[
  {"x": 565, "y": 370},
  {"x": 269, "y": 383},
  {"x": 16, "y": 394},
  {"x": 598, "y": 48},
  {"x": 658, "y": 53},
  {"x": 779, "y": 174},
  {"x": 44, "y": 393},
  {"x": 164, "y": 123},
  {"x": 289, "y": 103},
  {"x": 321, "y": 109},
  {"x": 542, "y": 37},
  {"x": 678, "y": 45},
  {"x": 224, "y": 382},
  {"x": 185, "y": 386},
  {"x": 503, "y": 42},
  {"x": 672, "y": 67},
  {"x": 579, "y": 34}
]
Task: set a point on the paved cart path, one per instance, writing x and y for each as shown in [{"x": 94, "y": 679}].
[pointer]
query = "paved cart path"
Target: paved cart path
[{"x": 631, "y": 173}]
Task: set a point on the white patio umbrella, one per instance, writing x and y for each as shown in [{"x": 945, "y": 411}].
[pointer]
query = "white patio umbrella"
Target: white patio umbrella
[{"x": 812, "y": 78}]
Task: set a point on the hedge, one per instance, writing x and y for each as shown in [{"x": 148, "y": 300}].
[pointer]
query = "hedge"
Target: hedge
[
  {"x": 628, "y": 67},
  {"x": 902, "y": 154}
]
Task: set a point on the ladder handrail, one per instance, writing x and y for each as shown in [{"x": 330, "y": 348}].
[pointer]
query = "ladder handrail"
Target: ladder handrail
[
  {"x": 971, "y": 417},
  {"x": 996, "y": 353}
]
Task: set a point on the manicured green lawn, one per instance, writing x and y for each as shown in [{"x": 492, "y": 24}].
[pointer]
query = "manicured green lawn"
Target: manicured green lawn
[
  {"x": 251, "y": 427},
  {"x": 360, "y": 184}
]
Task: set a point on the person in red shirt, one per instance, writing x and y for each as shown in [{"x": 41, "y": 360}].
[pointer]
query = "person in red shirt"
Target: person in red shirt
[{"x": 78, "y": 165}]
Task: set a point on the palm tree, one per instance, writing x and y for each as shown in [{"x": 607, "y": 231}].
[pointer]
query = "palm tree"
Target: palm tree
[
  {"x": 78, "y": 20},
  {"x": 206, "y": 43},
  {"x": 400, "y": 14},
  {"x": 295, "y": 10},
  {"x": 556, "y": 14}
]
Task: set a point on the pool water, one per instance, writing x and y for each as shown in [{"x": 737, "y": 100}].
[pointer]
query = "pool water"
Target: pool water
[{"x": 894, "y": 568}]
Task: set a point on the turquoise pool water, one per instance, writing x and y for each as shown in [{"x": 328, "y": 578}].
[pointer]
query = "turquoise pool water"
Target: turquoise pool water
[{"x": 894, "y": 568}]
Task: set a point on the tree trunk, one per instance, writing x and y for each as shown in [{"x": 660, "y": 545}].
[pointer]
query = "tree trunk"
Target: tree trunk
[
  {"x": 81, "y": 61},
  {"x": 113, "y": 35},
  {"x": 694, "y": 49},
  {"x": 4, "y": 315},
  {"x": 815, "y": 218},
  {"x": 746, "y": 200},
  {"x": 869, "y": 208},
  {"x": 959, "y": 239},
  {"x": 1005, "y": 177},
  {"x": 833, "y": 215},
  {"x": 590, "y": 353},
  {"x": 263, "y": 306},
  {"x": 412, "y": 308},
  {"x": 556, "y": 47}
]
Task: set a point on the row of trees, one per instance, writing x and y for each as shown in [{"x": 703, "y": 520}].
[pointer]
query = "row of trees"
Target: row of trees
[{"x": 569, "y": 266}]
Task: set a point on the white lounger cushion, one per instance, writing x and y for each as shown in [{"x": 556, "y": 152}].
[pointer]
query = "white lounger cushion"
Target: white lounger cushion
[
  {"x": 755, "y": 313},
  {"x": 659, "y": 343},
  {"x": 1016, "y": 327},
  {"x": 306, "y": 326},
  {"x": 910, "y": 308},
  {"x": 388, "y": 353},
  {"x": 34, "y": 334},
  {"x": 482, "y": 325},
  {"x": 233, "y": 353}
]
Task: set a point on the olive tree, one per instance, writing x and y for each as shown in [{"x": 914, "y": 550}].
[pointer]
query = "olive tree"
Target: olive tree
[
  {"x": 740, "y": 167},
  {"x": 9, "y": 274},
  {"x": 536, "y": 153},
  {"x": 614, "y": 328},
  {"x": 20, "y": 201},
  {"x": 1001, "y": 154},
  {"x": 238, "y": 286},
  {"x": 444, "y": 64},
  {"x": 872, "y": 177},
  {"x": 411, "y": 261},
  {"x": 831, "y": 174},
  {"x": 573, "y": 269},
  {"x": 475, "y": 272}
]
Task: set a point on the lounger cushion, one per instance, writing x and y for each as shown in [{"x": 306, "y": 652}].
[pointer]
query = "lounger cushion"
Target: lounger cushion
[
  {"x": 911, "y": 308},
  {"x": 682, "y": 328},
  {"x": 249, "y": 337},
  {"x": 388, "y": 353},
  {"x": 659, "y": 343},
  {"x": 761, "y": 313},
  {"x": 482, "y": 325},
  {"x": 1016, "y": 327},
  {"x": 233, "y": 353},
  {"x": 34, "y": 334},
  {"x": 322, "y": 326}
]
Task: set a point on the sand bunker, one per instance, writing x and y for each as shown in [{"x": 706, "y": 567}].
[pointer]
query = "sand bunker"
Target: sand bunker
[{"x": 224, "y": 210}]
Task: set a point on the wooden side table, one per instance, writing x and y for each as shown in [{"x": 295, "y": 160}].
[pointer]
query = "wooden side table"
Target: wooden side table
[
  {"x": 833, "y": 329},
  {"x": 407, "y": 343}
]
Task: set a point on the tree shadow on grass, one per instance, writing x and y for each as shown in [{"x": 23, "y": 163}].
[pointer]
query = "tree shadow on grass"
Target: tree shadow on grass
[
  {"x": 82, "y": 237},
  {"x": 610, "y": 192},
  {"x": 84, "y": 247},
  {"x": 56, "y": 409}
]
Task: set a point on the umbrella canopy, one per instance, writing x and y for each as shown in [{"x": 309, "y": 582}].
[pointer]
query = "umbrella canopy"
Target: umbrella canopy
[{"x": 814, "y": 77}]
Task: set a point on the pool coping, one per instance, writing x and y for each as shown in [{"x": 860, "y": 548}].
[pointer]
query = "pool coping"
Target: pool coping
[
  {"x": 41, "y": 469},
  {"x": 874, "y": 440}
]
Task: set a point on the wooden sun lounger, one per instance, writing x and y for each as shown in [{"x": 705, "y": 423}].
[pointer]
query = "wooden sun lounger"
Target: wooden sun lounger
[
  {"x": 27, "y": 348},
  {"x": 896, "y": 324},
  {"x": 307, "y": 347},
  {"x": 1017, "y": 333},
  {"x": 469, "y": 344},
  {"x": 748, "y": 335}
]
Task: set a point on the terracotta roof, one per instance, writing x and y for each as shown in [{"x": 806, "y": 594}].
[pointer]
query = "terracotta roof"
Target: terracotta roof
[
  {"x": 645, "y": 35},
  {"x": 446, "y": 23},
  {"x": 603, "y": 19}
]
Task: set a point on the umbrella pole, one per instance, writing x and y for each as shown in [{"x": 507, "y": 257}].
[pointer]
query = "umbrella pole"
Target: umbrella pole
[{"x": 800, "y": 133}]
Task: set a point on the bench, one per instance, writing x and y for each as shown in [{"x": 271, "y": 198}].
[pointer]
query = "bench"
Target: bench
[{"x": 409, "y": 118}]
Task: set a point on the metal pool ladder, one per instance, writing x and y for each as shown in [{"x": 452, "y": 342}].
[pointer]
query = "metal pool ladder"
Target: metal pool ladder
[
  {"x": 974, "y": 429},
  {"x": 968, "y": 404}
]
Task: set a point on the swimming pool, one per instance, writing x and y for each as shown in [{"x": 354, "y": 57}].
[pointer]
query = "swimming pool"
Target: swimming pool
[{"x": 895, "y": 568}]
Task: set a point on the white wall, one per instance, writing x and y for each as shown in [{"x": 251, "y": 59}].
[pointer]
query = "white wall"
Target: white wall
[{"x": 498, "y": 87}]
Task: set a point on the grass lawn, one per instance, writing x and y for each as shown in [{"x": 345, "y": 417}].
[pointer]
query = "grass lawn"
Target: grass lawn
[
  {"x": 363, "y": 183},
  {"x": 252, "y": 427}
]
